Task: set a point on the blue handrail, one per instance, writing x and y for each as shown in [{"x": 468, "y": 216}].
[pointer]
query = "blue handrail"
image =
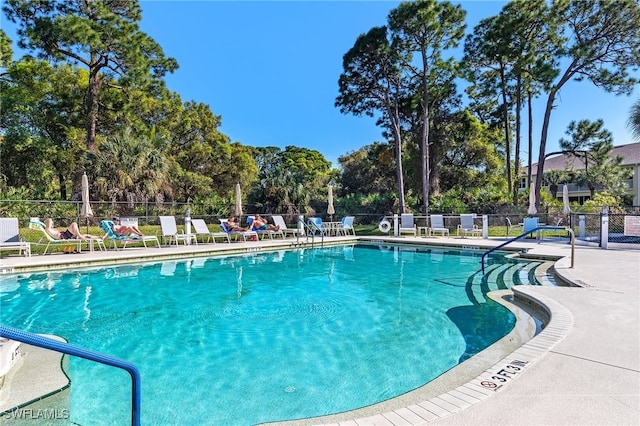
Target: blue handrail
[
  {"x": 530, "y": 231},
  {"x": 54, "y": 345}
]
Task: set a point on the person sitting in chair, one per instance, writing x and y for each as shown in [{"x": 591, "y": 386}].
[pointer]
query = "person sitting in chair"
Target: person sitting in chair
[
  {"x": 234, "y": 226},
  {"x": 123, "y": 231},
  {"x": 260, "y": 224},
  {"x": 72, "y": 231}
]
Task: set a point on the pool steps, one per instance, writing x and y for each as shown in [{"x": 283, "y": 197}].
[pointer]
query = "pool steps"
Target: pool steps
[{"x": 506, "y": 275}]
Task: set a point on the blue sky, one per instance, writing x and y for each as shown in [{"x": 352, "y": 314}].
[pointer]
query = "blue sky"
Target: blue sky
[{"x": 270, "y": 69}]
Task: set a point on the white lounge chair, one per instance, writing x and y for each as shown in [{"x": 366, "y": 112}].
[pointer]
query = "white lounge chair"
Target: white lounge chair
[
  {"x": 467, "y": 227},
  {"x": 406, "y": 225},
  {"x": 10, "y": 236},
  {"x": 170, "y": 232},
  {"x": 243, "y": 234},
  {"x": 201, "y": 228},
  {"x": 279, "y": 221},
  {"x": 75, "y": 243},
  {"x": 437, "y": 225},
  {"x": 510, "y": 225}
]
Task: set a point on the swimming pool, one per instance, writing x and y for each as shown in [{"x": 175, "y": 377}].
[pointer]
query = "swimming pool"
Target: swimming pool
[{"x": 266, "y": 337}]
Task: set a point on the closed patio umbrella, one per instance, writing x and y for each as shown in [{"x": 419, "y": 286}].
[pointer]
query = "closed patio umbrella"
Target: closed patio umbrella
[
  {"x": 330, "y": 209},
  {"x": 238, "y": 210},
  {"x": 532, "y": 200},
  {"x": 86, "y": 207},
  {"x": 565, "y": 199}
]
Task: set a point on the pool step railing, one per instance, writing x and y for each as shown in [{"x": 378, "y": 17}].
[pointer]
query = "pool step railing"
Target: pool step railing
[
  {"x": 66, "y": 348},
  {"x": 531, "y": 231},
  {"x": 309, "y": 232}
]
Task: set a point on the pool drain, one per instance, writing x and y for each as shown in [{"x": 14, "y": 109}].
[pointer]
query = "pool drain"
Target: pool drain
[{"x": 290, "y": 389}]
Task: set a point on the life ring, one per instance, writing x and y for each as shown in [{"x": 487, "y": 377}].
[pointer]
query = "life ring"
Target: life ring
[{"x": 384, "y": 226}]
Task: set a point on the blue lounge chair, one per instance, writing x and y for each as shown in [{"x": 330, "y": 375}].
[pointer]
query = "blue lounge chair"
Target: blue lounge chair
[
  {"x": 269, "y": 232},
  {"x": 315, "y": 226},
  {"x": 346, "y": 226},
  {"x": 107, "y": 227}
]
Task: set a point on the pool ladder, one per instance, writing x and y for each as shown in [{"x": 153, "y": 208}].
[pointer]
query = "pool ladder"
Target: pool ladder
[
  {"x": 309, "y": 231},
  {"x": 65, "y": 348}
]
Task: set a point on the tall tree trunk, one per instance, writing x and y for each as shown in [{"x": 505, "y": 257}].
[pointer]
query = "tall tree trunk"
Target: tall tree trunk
[
  {"x": 425, "y": 139},
  {"x": 543, "y": 143},
  {"x": 93, "y": 92},
  {"x": 397, "y": 135},
  {"x": 399, "y": 173},
  {"x": 568, "y": 74},
  {"x": 516, "y": 165},
  {"x": 530, "y": 131},
  {"x": 63, "y": 187},
  {"x": 507, "y": 132}
]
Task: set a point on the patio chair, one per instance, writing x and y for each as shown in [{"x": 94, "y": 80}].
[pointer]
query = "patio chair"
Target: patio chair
[
  {"x": 170, "y": 232},
  {"x": 346, "y": 226},
  {"x": 510, "y": 225},
  {"x": 269, "y": 232},
  {"x": 529, "y": 224},
  {"x": 279, "y": 221},
  {"x": 10, "y": 237},
  {"x": 201, "y": 228},
  {"x": 74, "y": 243},
  {"x": 107, "y": 227},
  {"x": 244, "y": 234},
  {"x": 467, "y": 227},
  {"x": 315, "y": 226},
  {"x": 407, "y": 226},
  {"x": 437, "y": 225}
]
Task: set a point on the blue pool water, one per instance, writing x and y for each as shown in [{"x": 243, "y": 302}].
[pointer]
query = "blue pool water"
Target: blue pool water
[{"x": 262, "y": 337}]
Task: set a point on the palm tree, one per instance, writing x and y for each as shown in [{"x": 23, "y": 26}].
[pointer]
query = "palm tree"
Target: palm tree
[
  {"x": 553, "y": 179},
  {"x": 132, "y": 169},
  {"x": 634, "y": 120}
]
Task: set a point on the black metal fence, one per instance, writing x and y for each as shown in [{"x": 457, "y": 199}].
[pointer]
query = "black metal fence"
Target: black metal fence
[{"x": 586, "y": 225}]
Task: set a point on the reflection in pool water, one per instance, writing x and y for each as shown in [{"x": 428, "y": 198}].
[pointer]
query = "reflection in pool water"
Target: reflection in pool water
[{"x": 265, "y": 337}]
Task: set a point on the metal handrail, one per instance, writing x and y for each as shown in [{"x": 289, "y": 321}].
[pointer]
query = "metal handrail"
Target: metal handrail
[
  {"x": 311, "y": 232},
  {"x": 66, "y": 348},
  {"x": 530, "y": 231}
]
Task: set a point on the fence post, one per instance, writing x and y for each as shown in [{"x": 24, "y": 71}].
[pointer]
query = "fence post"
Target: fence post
[
  {"x": 604, "y": 228},
  {"x": 187, "y": 221},
  {"x": 395, "y": 225},
  {"x": 581, "y": 226},
  {"x": 485, "y": 226}
]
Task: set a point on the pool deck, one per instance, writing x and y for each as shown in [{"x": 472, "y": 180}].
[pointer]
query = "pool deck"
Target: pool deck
[{"x": 582, "y": 369}]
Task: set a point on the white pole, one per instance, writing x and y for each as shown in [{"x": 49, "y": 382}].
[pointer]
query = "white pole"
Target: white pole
[
  {"x": 187, "y": 224},
  {"x": 395, "y": 225},
  {"x": 581, "y": 226},
  {"x": 485, "y": 226},
  {"x": 604, "y": 225}
]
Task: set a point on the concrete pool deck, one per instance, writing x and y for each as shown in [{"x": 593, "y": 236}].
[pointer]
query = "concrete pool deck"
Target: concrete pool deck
[{"x": 587, "y": 366}]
